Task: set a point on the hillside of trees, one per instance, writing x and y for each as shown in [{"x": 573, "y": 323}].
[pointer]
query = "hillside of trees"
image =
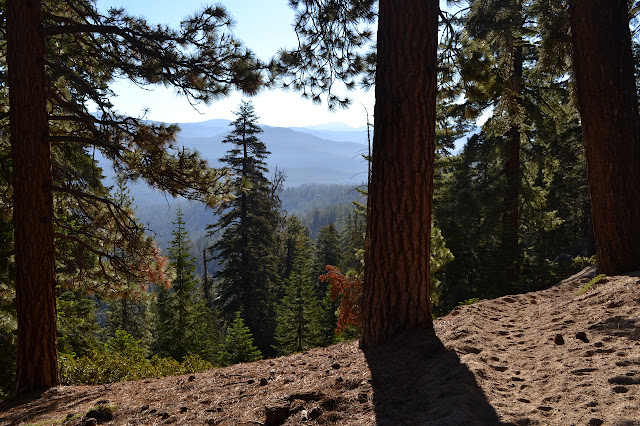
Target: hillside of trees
[
  {"x": 242, "y": 267},
  {"x": 315, "y": 204},
  {"x": 181, "y": 325},
  {"x": 305, "y": 158}
]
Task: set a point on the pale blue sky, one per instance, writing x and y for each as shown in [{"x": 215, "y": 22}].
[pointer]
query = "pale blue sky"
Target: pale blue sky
[{"x": 265, "y": 26}]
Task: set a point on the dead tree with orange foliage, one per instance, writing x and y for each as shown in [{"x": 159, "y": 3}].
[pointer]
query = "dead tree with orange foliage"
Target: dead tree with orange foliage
[{"x": 350, "y": 289}]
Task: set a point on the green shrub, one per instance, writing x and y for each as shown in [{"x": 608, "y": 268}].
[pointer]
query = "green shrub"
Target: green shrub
[
  {"x": 578, "y": 263},
  {"x": 194, "y": 364},
  {"x": 104, "y": 367},
  {"x": 100, "y": 368}
]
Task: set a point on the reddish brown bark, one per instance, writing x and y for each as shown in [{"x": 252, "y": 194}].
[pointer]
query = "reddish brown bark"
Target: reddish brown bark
[
  {"x": 37, "y": 366},
  {"x": 396, "y": 294},
  {"x": 604, "y": 72}
]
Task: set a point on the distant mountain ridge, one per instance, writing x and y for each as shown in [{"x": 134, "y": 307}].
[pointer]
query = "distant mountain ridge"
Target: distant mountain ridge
[
  {"x": 305, "y": 155},
  {"x": 328, "y": 154},
  {"x": 337, "y": 132}
]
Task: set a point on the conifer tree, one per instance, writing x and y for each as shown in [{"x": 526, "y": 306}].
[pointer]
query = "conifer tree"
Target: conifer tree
[
  {"x": 132, "y": 315},
  {"x": 238, "y": 344},
  {"x": 328, "y": 252},
  {"x": 290, "y": 237},
  {"x": 297, "y": 314},
  {"x": 401, "y": 190},
  {"x": 552, "y": 211},
  {"x": 608, "y": 99},
  {"x": 247, "y": 248},
  {"x": 396, "y": 288},
  {"x": 69, "y": 53},
  {"x": 469, "y": 211},
  {"x": 8, "y": 319},
  {"x": 129, "y": 309},
  {"x": 495, "y": 31},
  {"x": 182, "y": 312},
  {"x": 77, "y": 324}
]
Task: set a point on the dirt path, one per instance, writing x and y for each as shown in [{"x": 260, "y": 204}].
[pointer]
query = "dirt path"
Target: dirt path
[
  {"x": 549, "y": 358},
  {"x": 552, "y": 357}
]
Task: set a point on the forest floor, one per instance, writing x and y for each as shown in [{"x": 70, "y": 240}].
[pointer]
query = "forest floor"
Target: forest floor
[{"x": 550, "y": 357}]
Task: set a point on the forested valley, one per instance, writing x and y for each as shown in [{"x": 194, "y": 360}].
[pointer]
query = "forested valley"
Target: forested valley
[{"x": 502, "y": 167}]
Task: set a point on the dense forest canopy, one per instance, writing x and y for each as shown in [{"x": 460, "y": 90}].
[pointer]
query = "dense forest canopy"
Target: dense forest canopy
[{"x": 549, "y": 179}]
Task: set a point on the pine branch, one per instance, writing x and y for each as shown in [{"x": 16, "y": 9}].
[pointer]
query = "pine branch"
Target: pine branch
[
  {"x": 118, "y": 262},
  {"x": 205, "y": 65},
  {"x": 83, "y": 140}
]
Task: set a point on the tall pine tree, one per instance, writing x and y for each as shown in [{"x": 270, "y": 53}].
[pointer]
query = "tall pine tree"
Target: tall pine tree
[
  {"x": 495, "y": 32},
  {"x": 246, "y": 250},
  {"x": 396, "y": 289},
  {"x": 396, "y": 282},
  {"x": 59, "y": 56},
  {"x": 604, "y": 70}
]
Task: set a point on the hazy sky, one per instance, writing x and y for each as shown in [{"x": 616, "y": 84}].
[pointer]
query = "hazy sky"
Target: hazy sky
[{"x": 265, "y": 26}]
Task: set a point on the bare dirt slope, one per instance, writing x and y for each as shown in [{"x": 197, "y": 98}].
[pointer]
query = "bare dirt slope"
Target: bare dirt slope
[{"x": 549, "y": 358}]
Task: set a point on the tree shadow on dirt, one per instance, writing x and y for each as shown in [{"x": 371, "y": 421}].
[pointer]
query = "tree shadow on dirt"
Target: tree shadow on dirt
[
  {"x": 39, "y": 403},
  {"x": 416, "y": 381},
  {"x": 619, "y": 327}
]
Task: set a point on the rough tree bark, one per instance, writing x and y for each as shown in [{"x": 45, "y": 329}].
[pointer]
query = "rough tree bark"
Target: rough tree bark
[
  {"x": 604, "y": 72},
  {"x": 37, "y": 366},
  {"x": 396, "y": 287}
]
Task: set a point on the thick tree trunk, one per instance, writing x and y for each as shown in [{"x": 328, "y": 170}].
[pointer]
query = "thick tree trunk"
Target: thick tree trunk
[
  {"x": 396, "y": 287},
  {"x": 604, "y": 72},
  {"x": 37, "y": 366}
]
